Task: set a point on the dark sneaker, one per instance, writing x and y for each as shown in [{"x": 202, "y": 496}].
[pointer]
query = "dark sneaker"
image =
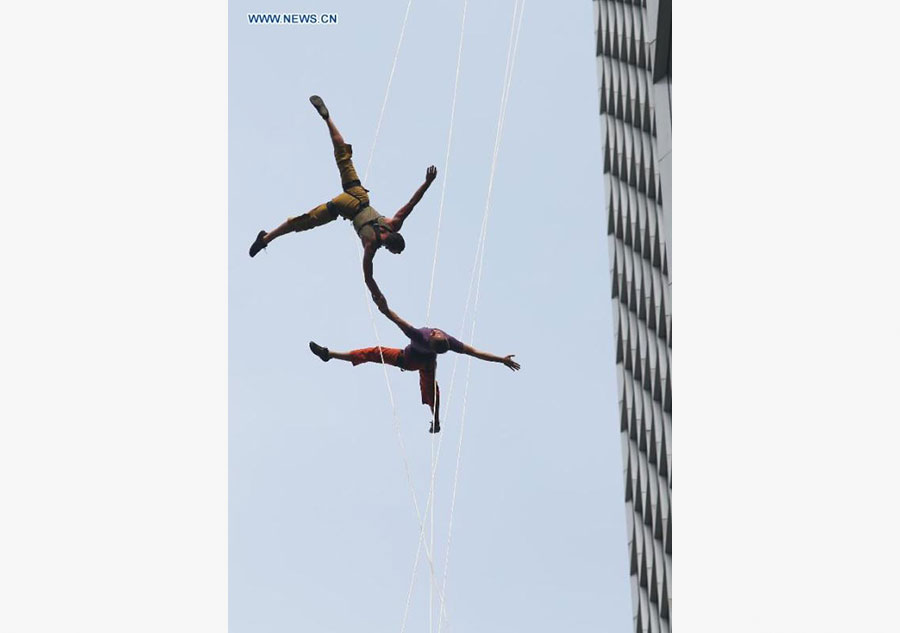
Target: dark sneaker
[
  {"x": 435, "y": 427},
  {"x": 321, "y": 352},
  {"x": 319, "y": 105},
  {"x": 258, "y": 244}
]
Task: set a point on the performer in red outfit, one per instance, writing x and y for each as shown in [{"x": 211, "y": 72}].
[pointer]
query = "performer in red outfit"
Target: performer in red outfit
[{"x": 420, "y": 355}]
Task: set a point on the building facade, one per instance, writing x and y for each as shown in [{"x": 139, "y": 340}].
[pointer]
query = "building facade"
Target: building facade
[{"x": 634, "y": 70}]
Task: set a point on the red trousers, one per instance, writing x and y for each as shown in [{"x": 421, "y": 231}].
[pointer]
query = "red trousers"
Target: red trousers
[{"x": 393, "y": 356}]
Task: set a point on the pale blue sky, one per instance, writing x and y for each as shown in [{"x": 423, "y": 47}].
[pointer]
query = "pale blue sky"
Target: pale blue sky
[{"x": 322, "y": 527}]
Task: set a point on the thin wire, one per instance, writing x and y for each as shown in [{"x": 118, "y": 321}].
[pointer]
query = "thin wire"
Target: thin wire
[
  {"x": 512, "y": 51},
  {"x": 482, "y": 242},
  {"x": 412, "y": 583},
  {"x": 435, "y": 456},
  {"x": 387, "y": 90},
  {"x": 437, "y": 236},
  {"x": 511, "y": 55}
]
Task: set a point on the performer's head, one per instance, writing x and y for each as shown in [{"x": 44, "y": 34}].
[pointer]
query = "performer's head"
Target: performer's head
[
  {"x": 440, "y": 342},
  {"x": 394, "y": 242}
]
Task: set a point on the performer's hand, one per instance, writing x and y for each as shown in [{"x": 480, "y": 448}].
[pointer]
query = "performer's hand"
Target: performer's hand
[
  {"x": 430, "y": 174},
  {"x": 509, "y": 362}
]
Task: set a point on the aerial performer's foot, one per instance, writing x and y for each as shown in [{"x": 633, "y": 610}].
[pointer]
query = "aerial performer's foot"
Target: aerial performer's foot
[
  {"x": 319, "y": 105},
  {"x": 258, "y": 244},
  {"x": 435, "y": 427},
  {"x": 321, "y": 352}
]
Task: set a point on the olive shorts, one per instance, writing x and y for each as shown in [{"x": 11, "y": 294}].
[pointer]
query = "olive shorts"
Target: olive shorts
[{"x": 345, "y": 205}]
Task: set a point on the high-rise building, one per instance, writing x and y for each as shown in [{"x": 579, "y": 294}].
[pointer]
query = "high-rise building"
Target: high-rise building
[{"x": 634, "y": 64}]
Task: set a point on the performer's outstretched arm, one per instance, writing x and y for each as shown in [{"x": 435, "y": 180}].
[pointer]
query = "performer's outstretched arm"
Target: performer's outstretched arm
[
  {"x": 506, "y": 360},
  {"x": 405, "y": 210}
]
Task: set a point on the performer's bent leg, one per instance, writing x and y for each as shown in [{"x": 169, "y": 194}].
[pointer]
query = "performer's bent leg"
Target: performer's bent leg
[{"x": 431, "y": 393}]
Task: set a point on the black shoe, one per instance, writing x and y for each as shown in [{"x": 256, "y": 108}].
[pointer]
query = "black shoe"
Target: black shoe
[
  {"x": 258, "y": 244},
  {"x": 321, "y": 352},
  {"x": 435, "y": 427},
  {"x": 319, "y": 105}
]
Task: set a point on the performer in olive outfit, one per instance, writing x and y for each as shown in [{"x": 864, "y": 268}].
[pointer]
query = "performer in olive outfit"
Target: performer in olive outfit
[{"x": 373, "y": 229}]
